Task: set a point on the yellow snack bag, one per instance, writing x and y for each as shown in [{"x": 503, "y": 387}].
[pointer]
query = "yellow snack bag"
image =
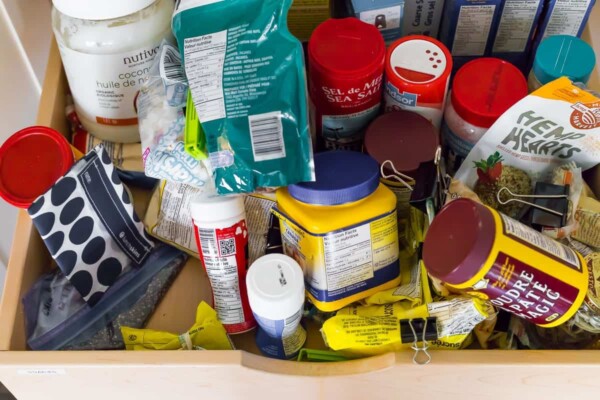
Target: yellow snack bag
[
  {"x": 371, "y": 330},
  {"x": 410, "y": 289},
  {"x": 207, "y": 334}
]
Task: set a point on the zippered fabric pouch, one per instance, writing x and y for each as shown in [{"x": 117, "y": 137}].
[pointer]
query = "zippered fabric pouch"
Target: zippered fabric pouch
[
  {"x": 88, "y": 223},
  {"x": 247, "y": 79},
  {"x": 57, "y": 317}
]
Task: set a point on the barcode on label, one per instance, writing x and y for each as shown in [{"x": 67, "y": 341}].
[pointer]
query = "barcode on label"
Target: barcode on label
[
  {"x": 170, "y": 64},
  {"x": 266, "y": 134},
  {"x": 227, "y": 247},
  {"x": 207, "y": 241}
]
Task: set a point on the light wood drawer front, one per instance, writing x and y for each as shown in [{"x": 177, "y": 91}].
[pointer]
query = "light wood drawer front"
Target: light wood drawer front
[{"x": 242, "y": 374}]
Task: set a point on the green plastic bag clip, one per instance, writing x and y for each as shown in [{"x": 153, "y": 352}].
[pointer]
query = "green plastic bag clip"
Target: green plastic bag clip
[
  {"x": 195, "y": 140},
  {"x": 311, "y": 355}
]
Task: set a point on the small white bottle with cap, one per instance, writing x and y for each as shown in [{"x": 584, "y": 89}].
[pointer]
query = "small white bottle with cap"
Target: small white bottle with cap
[
  {"x": 107, "y": 48},
  {"x": 222, "y": 238},
  {"x": 275, "y": 285}
]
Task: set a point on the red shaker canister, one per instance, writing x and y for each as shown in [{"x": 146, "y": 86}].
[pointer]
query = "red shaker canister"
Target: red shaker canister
[
  {"x": 417, "y": 76},
  {"x": 346, "y": 63}
]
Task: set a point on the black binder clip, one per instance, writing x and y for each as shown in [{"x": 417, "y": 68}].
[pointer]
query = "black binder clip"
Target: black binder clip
[
  {"x": 431, "y": 188},
  {"x": 549, "y": 206},
  {"x": 419, "y": 330}
]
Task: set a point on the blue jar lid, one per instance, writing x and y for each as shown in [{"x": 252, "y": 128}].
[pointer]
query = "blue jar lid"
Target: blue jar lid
[
  {"x": 563, "y": 55},
  {"x": 342, "y": 177}
]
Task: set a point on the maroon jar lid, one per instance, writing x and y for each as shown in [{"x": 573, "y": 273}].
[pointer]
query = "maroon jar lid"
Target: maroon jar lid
[
  {"x": 459, "y": 241},
  {"x": 405, "y": 138}
]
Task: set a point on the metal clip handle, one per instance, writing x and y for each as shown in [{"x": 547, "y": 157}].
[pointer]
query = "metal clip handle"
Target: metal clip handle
[
  {"x": 398, "y": 176},
  {"x": 517, "y": 198},
  {"x": 417, "y": 358}
]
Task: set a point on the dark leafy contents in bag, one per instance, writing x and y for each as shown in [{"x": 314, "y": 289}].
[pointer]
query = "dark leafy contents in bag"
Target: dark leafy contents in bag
[
  {"x": 57, "y": 317},
  {"x": 109, "y": 338},
  {"x": 493, "y": 175}
]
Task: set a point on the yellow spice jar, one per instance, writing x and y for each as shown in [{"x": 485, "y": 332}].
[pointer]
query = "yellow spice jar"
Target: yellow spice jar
[{"x": 342, "y": 229}]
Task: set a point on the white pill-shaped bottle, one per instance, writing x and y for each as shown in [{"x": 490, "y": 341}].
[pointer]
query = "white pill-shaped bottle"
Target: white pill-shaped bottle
[
  {"x": 276, "y": 294},
  {"x": 222, "y": 237},
  {"x": 107, "y": 48}
]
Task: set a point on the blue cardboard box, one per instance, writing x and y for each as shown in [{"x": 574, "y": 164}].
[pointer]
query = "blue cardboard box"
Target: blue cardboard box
[
  {"x": 468, "y": 27},
  {"x": 422, "y": 17},
  {"x": 513, "y": 38},
  {"x": 561, "y": 17}
]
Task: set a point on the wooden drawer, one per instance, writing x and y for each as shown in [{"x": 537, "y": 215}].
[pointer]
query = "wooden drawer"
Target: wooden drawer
[{"x": 236, "y": 374}]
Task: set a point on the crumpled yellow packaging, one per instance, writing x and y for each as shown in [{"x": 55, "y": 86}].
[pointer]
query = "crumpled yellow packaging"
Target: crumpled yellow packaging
[
  {"x": 207, "y": 334},
  {"x": 410, "y": 290},
  {"x": 371, "y": 330}
]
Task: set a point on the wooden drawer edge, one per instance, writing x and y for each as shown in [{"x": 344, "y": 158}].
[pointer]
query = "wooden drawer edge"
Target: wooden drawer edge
[
  {"x": 463, "y": 361},
  {"x": 51, "y": 112}
]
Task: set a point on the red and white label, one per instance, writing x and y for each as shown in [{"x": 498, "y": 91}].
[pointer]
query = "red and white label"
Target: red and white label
[
  {"x": 224, "y": 253},
  {"x": 418, "y": 76}
]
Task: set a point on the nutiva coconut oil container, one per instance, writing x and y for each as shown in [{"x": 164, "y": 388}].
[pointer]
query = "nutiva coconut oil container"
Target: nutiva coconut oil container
[
  {"x": 417, "y": 76},
  {"x": 107, "y": 47}
]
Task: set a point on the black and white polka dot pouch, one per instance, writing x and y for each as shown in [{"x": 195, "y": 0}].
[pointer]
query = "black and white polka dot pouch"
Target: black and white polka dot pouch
[{"x": 89, "y": 225}]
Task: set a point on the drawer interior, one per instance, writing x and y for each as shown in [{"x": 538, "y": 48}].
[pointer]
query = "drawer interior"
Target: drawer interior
[{"x": 30, "y": 258}]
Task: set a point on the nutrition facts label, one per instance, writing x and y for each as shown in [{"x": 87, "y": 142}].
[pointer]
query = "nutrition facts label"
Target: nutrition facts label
[
  {"x": 542, "y": 242},
  {"x": 258, "y": 212},
  {"x": 348, "y": 257},
  {"x": 204, "y": 60},
  {"x": 472, "y": 30},
  {"x": 515, "y": 26},
  {"x": 567, "y": 17},
  {"x": 455, "y": 317},
  {"x": 174, "y": 220},
  {"x": 222, "y": 270}
]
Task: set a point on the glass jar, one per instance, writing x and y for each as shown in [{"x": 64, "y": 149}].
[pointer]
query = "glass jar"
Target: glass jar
[
  {"x": 107, "y": 48},
  {"x": 558, "y": 56},
  {"x": 482, "y": 90}
]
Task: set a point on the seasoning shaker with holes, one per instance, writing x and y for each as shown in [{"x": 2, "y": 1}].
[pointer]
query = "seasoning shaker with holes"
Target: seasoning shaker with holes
[
  {"x": 417, "y": 77},
  {"x": 221, "y": 234}
]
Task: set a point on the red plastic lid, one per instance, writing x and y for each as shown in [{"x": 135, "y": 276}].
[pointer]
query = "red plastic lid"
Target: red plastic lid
[
  {"x": 485, "y": 88},
  {"x": 459, "y": 241},
  {"x": 403, "y": 137},
  {"x": 347, "y": 47},
  {"x": 418, "y": 60},
  {"x": 31, "y": 161}
]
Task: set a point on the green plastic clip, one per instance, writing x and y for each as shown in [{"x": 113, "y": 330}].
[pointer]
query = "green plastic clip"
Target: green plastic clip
[
  {"x": 311, "y": 355},
  {"x": 195, "y": 139}
]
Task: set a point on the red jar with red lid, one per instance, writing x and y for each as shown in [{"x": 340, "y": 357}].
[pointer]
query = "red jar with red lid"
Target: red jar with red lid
[
  {"x": 482, "y": 91},
  {"x": 417, "y": 72},
  {"x": 346, "y": 62},
  {"x": 31, "y": 161}
]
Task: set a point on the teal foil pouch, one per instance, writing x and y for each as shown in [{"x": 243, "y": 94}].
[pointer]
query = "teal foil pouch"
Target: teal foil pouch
[{"x": 247, "y": 78}]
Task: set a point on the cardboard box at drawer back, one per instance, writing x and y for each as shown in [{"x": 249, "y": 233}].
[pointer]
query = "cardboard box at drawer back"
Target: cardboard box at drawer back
[{"x": 243, "y": 373}]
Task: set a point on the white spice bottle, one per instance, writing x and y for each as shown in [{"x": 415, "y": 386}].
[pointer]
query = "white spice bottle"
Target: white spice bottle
[{"x": 107, "y": 47}]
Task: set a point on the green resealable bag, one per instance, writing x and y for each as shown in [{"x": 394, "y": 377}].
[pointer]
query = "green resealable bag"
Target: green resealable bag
[{"x": 247, "y": 78}]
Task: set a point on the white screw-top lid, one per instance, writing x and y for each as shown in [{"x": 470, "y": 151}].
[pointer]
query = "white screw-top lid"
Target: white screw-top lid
[
  {"x": 100, "y": 9},
  {"x": 275, "y": 284},
  {"x": 211, "y": 209}
]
